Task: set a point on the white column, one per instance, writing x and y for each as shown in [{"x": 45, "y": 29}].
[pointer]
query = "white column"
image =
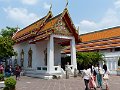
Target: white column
[
  {"x": 50, "y": 55},
  {"x": 107, "y": 63},
  {"x": 111, "y": 65},
  {"x": 116, "y": 63},
  {"x": 73, "y": 53}
]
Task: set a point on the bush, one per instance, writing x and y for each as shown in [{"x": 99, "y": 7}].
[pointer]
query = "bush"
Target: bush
[
  {"x": 10, "y": 83},
  {"x": 6, "y": 88},
  {"x": 1, "y": 77}
]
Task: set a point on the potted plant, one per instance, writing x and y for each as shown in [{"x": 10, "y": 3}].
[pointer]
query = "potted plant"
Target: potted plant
[
  {"x": 1, "y": 77},
  {"x": 2, "y": 80},
  {"x": 10, "y": 84}
]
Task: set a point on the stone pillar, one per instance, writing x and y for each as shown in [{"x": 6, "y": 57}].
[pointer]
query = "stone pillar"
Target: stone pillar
[
  {"x": 111, "y": 66},
  {"x": 107, "y": 63},
  {"x": 73, "y": 53},
  {"x": 116, "y": 66},
  {"x": 50, "y": 55},
  {"x": 116, "y": 63}
]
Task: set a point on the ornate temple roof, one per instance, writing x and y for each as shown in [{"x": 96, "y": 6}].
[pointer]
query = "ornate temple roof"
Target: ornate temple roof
[
  {"x": 102, "y": 34},
  {"x": 98, "y": 40},
  {"x": 46, "y": 26},
  {"x": 27, "y": 32}
]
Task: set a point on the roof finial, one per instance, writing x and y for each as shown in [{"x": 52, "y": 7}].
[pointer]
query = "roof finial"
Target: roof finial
[
  {"x": 78, "y": 29},
  {"x": 17, "y": 28},
  {"x": 66, "y": 3},
  {"x": 51, "y": 5}
]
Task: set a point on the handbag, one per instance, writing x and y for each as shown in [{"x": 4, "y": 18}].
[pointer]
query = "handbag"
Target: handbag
[
  {"x": 105, "y": 77},
  {"x": 101, "y": 72},
  {"x": 92, "y": 83}
]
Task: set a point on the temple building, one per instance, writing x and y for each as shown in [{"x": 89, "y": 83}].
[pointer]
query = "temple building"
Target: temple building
[
  {"x": 39, "y": 45},
  {"x": 105, "y": 41}
]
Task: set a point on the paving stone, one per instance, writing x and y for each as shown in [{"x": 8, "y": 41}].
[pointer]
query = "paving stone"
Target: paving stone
[{"x": 29, "y": 83}]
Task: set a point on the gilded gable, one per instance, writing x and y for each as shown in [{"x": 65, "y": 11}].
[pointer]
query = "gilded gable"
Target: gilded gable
[{"x": 61, "y": 28}]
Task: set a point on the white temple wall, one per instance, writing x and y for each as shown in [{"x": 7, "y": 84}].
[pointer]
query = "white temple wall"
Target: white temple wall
[
  {"x": 40, "y": 56},
  {"x": 57, "y": 54},
  {"x": 18, "y": 48},
  {"x": 38, "y": 53},
  {"x": 111, "y": 59}
]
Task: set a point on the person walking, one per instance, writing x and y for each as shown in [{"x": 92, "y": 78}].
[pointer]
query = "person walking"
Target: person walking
[
  {"x": 86, "y": 76},
  {"x": 1, "y": 69},
  {"x": 106, "y": 76},
  {"x": 92, "y": 83},
  {"x": 17, "y": 72},
  {"x": 7, "y": 71},
  {"x": 99, "y": 72}
]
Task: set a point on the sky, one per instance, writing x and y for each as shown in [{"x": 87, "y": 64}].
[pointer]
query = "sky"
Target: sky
[{"x": 89, "y": 15}]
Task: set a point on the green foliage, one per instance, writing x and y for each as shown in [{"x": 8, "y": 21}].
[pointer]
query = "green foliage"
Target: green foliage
[
  {"x": 6, "y": 42},
  {"x": 87, "y": 58},
  {"x": 5, "y": 88},
  {"x": 10, "y": 83},
  {"x": 8, "y": 31},
  {"x": 6, "y": 49},
  {"x": 1, "y": 77}
]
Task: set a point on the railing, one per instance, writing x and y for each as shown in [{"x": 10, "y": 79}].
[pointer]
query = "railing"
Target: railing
[
  {"x": 71, "y": 67},
  {"x": 57, "y": 69},
  {"x": 42, "y": 69},
  {"x": 29, "y": 69}
]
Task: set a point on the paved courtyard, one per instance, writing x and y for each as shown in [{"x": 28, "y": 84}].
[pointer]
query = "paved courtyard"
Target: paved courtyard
[{"x": 29, "y": 83}]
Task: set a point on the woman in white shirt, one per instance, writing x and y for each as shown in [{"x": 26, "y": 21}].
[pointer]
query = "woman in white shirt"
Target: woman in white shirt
[{"x": 86, "y": 77}]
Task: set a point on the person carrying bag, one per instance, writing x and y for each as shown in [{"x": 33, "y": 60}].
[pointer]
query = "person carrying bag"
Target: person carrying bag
[{"x": 106, "y": 76}]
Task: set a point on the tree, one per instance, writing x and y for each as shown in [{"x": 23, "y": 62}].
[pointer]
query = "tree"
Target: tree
[
  {"x": 8, "y": 31},
  {"x": 6, "y": 43},
  {"x": 6, "y": 49},
  {"x": 88, "y": 58}
]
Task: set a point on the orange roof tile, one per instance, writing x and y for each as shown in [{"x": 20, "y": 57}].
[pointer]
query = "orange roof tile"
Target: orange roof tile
[
  {"x": 49, "y": 24},
  {"x": 29, "y": 28},
  {"x": 115, "y": 45},
  {"x": 103, "y": 34},
  {"x": 39, "y": 29},
  {"x": 98, "y": 40}
]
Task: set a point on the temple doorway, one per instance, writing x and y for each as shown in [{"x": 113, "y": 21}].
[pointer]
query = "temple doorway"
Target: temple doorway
[{"x": 64, "y": 61}]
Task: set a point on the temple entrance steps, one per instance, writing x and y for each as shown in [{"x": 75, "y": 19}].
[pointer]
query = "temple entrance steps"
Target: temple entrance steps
[
  {"x": 69, "y": 72},
  {"x": 63, "y": 74}
]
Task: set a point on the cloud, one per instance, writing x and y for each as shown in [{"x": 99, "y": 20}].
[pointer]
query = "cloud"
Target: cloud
[
  {"x": 46, "y": 5},
  {"x": 86, "y": 25},
  {"x": 29, "y": 2},
  {"x": 110, "y": 19},
  {"x": 21, "y": 15},
  {"x": 117, "y": 4}
]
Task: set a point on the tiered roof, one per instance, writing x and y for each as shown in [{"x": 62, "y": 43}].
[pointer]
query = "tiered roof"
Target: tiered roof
[
  {"x": 28, "y": 32},
  {"x": 99, "y": 40},
  {"x": 102, "y": 34},
  {"x": 46, "y": 26}
]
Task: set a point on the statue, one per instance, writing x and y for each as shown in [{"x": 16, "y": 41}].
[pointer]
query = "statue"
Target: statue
[
  {"x": 30, "y": 58},
  {"x": 45, "y": 57},
  {"x": 22, "y": 58}
]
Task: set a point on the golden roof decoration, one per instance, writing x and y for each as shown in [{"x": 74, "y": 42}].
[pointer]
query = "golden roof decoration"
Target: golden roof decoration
[{"x": 45, "y": 27}]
